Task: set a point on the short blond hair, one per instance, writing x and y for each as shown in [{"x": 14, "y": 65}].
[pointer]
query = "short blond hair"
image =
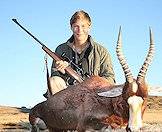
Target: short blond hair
[{"x": 80, "y": 15}]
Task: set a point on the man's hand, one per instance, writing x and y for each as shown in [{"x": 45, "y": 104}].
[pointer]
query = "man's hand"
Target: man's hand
[{"x": 61, "y": 65}]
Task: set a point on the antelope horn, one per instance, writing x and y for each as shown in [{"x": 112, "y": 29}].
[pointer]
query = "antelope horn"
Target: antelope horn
[
  {"x": 148, "y": 60},
  {"x": 122, "y": 60}
]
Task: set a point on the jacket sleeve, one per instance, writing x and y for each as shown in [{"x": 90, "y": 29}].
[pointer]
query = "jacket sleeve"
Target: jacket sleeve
[
  {"x": 106, "y": 66},
  {"x": 54, "y": 72}
]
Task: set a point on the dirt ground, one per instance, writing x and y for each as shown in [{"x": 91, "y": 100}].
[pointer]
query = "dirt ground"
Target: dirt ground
[{"x": 13, "y": 119}]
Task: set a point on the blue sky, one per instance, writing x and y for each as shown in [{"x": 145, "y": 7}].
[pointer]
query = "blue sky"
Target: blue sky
[{"x": 22, "y": 69}]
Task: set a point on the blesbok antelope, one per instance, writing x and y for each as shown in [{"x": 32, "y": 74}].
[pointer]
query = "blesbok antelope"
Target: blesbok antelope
[{"x": 94, "y": 104}]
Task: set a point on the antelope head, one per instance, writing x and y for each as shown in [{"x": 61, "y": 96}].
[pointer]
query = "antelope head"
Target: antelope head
[{"x": 134, "y": 91}]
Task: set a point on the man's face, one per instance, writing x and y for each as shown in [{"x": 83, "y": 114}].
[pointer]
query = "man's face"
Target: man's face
[{"x": 81, "y": 29}]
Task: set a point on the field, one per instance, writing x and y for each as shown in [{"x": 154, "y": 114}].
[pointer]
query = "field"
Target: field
[{"x": 13, "y": 119}]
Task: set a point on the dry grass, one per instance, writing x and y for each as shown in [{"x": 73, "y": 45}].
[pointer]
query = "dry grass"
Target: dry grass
[{"x": 14, "y": 119}]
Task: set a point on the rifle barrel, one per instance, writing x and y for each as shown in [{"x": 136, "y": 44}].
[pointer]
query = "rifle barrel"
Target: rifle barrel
[
  {"x": 27, "y": 31},
  {"x": 68, "y": 69}
]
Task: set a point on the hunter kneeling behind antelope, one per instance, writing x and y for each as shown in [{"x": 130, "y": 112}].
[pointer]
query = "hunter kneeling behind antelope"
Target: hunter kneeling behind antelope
[{"x": 94, "y": 104}]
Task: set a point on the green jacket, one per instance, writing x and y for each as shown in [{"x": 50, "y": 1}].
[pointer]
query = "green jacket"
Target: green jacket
[{"x": 99, "y": 60}]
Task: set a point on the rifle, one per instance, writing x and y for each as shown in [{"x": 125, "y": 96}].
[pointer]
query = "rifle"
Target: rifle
[{"x": 54, "y": 56}]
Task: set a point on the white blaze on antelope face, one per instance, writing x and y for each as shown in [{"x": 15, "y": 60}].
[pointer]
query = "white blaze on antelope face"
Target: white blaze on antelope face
[
  {"x": 134, "y": 87},
  {"x": 135, "y": 113}
]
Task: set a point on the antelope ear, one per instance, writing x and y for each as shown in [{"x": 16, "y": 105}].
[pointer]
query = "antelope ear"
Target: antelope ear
[{"x": 114, "y": 92}]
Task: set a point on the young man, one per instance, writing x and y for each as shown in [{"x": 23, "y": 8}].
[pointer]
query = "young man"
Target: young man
[{"x": 83, "y": 51}]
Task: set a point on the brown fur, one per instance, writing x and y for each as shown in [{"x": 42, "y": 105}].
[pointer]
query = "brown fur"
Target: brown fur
[{"x": 79, "y": 108}]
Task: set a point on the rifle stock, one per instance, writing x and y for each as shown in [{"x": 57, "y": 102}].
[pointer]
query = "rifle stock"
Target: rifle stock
[{"x": 54, "y": 56}]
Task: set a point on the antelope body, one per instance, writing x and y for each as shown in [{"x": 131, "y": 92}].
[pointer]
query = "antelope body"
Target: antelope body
[{"x": 94, "y": 104}]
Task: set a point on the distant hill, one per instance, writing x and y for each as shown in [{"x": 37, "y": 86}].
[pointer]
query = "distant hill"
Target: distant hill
[
  {"x": 155, "y": 90},
  {"x": 13, "y": 118}
]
